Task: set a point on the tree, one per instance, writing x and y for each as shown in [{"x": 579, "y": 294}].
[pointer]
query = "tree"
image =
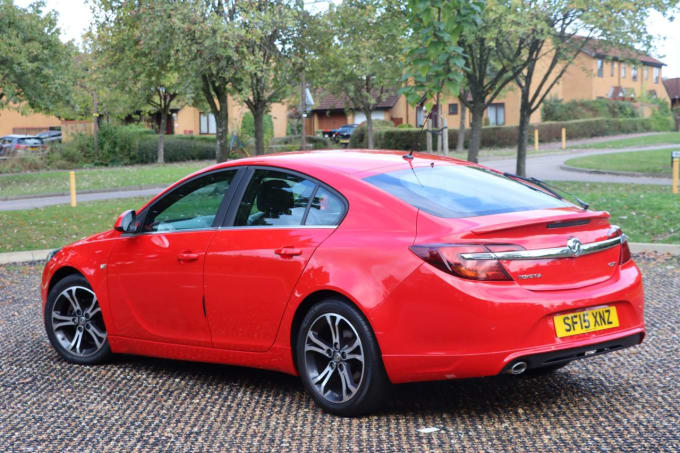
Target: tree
[
  {"x": 35, "y": 66},
  {"x": 556, "y": 31},
  {"x": 211, "y": 47},
  {"x": 361, "y": 54},
  {"x": 138, "y": 43},
  {"x": 486, "y": 75},
  {"x": 267, "y": 58},
  {"x": 434, "y": 58}
]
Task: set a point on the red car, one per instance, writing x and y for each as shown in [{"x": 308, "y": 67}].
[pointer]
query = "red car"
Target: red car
[{"x": 352, "y": 269}]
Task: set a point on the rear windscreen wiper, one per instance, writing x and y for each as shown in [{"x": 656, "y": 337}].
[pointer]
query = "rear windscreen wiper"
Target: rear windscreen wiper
[{"x": 548, "y": 188}]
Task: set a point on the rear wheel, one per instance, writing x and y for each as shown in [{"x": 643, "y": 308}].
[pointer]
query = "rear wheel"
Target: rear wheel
[
  {"x": 339, "y": 360},
  {"x": 74, "y": 322}
]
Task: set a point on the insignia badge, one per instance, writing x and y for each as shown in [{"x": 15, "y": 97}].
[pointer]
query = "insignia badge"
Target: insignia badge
[{"x": 574, "y": 246}]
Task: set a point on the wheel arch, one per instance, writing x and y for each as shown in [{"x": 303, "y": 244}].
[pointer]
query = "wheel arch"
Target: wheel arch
[
  {"x": 61, "y": 274},
  {"x": 306, "y": 305}
]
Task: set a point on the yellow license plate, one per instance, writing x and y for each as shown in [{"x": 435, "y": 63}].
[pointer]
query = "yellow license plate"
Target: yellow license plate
[
  {"x": 586, "y": 321},
  {"x": 344, "y": 140}
]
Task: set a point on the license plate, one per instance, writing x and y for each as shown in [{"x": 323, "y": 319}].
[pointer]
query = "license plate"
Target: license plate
[
  {"x": 344, "y": 141},
  {"x": 586, "y": 321}
]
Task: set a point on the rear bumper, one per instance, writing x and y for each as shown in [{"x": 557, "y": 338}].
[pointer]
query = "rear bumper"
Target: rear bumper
[
  {"x": 564, "y": 356},
  {"x": 436, "y": 367}
]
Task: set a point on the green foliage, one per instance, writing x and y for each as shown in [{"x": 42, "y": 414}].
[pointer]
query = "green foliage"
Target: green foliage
[
  {"x": 434, "y": 55},
  {"x": 35, "y": 66},
  {"x": 248, "y": 127},
  {"x": 359, "y": 138},
  {"x": 405, "y": 126},
  {"x": 126, "y": 145},
  {"x": 557, "y": 110},
  {"x": 361, "y": 53},
  {"x": 506, "y": 136},
  {"x": 292, "y": 143}
]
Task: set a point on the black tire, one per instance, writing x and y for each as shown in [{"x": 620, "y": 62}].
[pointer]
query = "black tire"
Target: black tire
[
  {"x": 545, "y": 370},
  {"x": 334, "y": 392},
  {"x": 65, "y": 321}
]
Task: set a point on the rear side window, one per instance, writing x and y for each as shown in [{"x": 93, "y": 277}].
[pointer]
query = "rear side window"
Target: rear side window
[{"x": 454, "y": 191}]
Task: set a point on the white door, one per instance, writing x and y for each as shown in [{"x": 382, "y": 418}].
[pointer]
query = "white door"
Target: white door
[{"x": 360, "y": 117}]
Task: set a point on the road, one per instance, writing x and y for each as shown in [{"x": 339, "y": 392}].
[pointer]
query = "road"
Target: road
[{"x": 622, "y": 401}]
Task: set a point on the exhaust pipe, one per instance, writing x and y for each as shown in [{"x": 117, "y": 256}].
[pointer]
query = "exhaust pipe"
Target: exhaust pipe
[{"x": 518, "y": 368}]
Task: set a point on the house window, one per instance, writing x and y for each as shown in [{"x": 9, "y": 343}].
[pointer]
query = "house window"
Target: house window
[
  {"x": 600, "y": 66},
  {"x": 634, "y": 73},
  {"x": 656, "y": 75},
  {"x": 646, "y": 73},
  {"x": 623, "y": 70},
  {"x": 420, "y": 116},
  {"x": 453, "y": 109},
  {"x": 496, "y": 113},
  {"x": 611, "y": 69},
  {"x": 208, "y": 125}
]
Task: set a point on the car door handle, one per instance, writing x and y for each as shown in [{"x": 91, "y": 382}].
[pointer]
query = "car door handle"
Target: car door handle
[
  {"x": 288, "y": 251},
  {"x": 187, "y": 256}
]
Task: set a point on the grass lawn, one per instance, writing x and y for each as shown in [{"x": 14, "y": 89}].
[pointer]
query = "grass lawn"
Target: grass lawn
[
  {"x": 54, "y": 226},
  {"x": 48, "y": 182},
  {"x": 648, "y": 140},
  {"x": 655, "y": 162},
  {"x": 647, "y": 213}
]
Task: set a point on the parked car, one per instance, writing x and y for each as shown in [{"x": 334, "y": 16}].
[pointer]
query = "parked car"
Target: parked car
[
  {"x": 13, "y": 144},
  {"x": 50, "y": 136},
  {"x": 343, "y": 133},
  {"x": 353, "y": 270}
]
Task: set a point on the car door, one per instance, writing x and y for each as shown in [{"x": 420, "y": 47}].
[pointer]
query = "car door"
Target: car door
[
  {"x": 156, "y": 275},
  {"x": 253, "y": 263}
]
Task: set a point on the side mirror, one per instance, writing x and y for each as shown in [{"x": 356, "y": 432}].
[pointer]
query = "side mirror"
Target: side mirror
[{"x": 126, "y": 222}]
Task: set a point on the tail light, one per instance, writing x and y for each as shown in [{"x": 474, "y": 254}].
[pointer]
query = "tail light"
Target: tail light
[
  {"x": 625, "y": 256},
  {"x": 447, "y": 258}
]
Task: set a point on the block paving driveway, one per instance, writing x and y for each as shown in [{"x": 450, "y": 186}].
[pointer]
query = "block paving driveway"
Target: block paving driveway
[{"x": 623, "y": 401}]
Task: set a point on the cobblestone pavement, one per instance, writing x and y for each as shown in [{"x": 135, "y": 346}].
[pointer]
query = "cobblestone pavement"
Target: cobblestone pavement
[{"x": 623, "y": 401}]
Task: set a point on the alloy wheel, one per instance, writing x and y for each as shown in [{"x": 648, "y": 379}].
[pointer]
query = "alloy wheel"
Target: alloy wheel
[
  {"x": 334, "y": 357},
  {"x": 77, "y": 322}
]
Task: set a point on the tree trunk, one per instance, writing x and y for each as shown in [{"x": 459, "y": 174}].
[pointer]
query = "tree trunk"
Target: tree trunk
[
  {"x": 477, "y": 112},
  {"x": 461, "y": 130},
  {"x": 303, "y": 107},
  {"x": 222, "y": 130},
  {"x": 523, "y": 133},
  {"x": 258, "y": 117},
  {"x": 369, "y": 129},
  {"x": 445, "y": 133},
  {"x": 95, "y": 125},
  {"x": 161, "y": 137}
]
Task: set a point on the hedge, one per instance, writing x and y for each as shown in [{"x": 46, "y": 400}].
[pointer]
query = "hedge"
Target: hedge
[
  {"x": 506, "y": 136},
  {"x": 580, "y": 109}
]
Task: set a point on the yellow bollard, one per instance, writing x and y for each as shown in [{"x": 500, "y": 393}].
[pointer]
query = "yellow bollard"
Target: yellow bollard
[
  {"x": 675, "y": 157},
  {"x": 72, "y": 178},
  {"x": 564, "y": 138},
  {"x": 536, "y": 139}
]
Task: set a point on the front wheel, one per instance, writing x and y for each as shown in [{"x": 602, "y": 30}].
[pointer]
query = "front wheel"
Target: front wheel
[
  {"x": 74, "y": 322},
  {"x": 339, "y": 360}
]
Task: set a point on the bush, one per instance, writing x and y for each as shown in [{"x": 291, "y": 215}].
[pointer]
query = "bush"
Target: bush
[
  {"x": 506, "y": 136},
  {"x": 558, "y": 110},
  {"x": 359, "y": 139},
  {"x": 292, "y": 143}
]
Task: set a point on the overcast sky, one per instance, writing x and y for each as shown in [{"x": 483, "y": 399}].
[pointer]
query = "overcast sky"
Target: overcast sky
[{"x": 75, "y": 17}]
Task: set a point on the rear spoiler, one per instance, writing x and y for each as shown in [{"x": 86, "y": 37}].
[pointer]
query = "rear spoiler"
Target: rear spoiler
[{"x": 575, "y": 217}]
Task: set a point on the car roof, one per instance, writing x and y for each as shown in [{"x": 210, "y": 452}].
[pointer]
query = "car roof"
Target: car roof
[
  {"x": 17, "y": 136},
  {"x": 355, "y": 162}
]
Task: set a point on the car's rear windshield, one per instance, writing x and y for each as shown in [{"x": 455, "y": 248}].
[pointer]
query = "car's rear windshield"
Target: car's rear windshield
[{"x": 454, "y": 191}]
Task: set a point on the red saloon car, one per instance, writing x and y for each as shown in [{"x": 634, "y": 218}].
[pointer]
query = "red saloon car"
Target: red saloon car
[{"x": 353, "y": 270}]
